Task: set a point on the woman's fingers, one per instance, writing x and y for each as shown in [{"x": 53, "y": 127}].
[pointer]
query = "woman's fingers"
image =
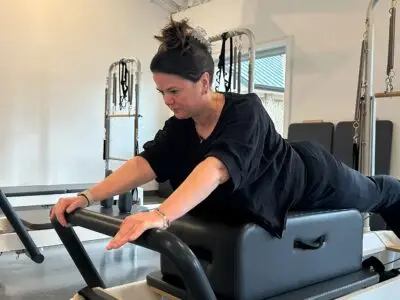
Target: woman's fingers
[
  {"x": 75, "y": 205},
  {"x": 122, "y": 235},
  {"x": 59, "y": 211},
  {"x": 136, "y": 233},
  {"x": 66, "y": 205},
  {"x": 133, "y": 226}
]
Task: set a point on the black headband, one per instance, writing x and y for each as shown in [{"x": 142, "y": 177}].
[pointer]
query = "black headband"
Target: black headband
[
  {"x": 177, "y": 63},
  {"x": 185, "y": 64}
]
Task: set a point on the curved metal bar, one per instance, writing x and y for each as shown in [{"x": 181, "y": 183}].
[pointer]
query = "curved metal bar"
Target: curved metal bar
[{"x": 157, "y": 240}]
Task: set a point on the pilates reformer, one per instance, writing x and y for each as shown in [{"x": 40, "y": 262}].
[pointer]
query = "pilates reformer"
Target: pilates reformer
[
  {"x": 122, "y": 95},
  {"x": 211, "y": 260}
]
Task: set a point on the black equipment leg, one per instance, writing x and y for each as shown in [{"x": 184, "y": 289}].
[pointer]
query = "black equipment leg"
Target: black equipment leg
[
  {"x": 79, "y": 255},
  {"x": 30, "y": 246}
]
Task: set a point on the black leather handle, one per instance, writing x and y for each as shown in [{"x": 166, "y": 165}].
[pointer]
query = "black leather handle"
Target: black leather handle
[{"x": 309, "y": 244}]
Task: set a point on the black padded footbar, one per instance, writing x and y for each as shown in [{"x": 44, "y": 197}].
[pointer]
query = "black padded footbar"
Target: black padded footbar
[{"x": 39, "y": 219}]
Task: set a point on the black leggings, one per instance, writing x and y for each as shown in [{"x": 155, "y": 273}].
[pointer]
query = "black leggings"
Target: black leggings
[{"x": 331, "y": 184}]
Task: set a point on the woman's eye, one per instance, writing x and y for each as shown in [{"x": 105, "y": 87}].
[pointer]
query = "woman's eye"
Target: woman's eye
[{"x": 173, "y": 92}]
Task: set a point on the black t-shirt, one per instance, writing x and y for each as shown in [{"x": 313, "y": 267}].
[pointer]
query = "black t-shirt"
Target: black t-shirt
[{"x": 267, "y": 174}]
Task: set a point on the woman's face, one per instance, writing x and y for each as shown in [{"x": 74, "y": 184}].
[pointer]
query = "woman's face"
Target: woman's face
[{"x": 183, "y": 97}]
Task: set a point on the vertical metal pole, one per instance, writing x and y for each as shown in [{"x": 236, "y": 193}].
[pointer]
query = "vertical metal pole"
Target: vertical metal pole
[
  {"x": 369, "y": 124},
  {"x": 137, "y": 107},
  {"x": 107, "y": 124},
  {"x": 252, "y": 58}
]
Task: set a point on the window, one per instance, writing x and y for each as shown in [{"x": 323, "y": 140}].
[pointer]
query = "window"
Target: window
[{"x": 269, "y": 81}]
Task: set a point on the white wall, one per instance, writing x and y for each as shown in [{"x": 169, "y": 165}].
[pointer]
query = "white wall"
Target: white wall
[
  {"x": 54, "y": 61},
  {"x": 326, "y": 49}
]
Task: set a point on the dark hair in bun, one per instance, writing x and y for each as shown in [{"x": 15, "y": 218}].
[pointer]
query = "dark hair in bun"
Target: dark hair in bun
[
  {"x": 183, "y": 51},
  {"x": 175, "y": 35}
]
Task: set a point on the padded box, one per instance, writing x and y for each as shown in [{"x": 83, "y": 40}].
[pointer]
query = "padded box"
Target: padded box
[{"x": 245, "y": 262}]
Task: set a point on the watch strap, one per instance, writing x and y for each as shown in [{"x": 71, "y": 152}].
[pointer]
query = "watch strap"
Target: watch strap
[{"x": 88, "y": 195}]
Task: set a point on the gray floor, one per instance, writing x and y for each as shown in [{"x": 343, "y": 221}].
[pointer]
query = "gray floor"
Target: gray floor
[{"x": 58, "y": 278}]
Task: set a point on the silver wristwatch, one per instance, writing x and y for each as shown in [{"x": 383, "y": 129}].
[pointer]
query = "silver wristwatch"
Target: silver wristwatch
[{"x": 88, "y": 195}]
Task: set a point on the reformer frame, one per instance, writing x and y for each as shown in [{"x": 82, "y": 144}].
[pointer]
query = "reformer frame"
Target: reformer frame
[
  {"x": 367, "y": 150},
  {"x": 111, "y": 111},
  {"x": 110, "y": 91}
]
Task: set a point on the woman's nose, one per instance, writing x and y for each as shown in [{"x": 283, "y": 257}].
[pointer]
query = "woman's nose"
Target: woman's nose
[{"x": 168, "y": 99}]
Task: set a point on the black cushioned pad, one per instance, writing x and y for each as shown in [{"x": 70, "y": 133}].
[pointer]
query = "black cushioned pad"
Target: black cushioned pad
[
  {"x": 330, "y": 289},
  {"x": 343, "y": 144},
  {"x": 321, "y": 133},
  {"x": 39, "y": 219},
  {"x": 39, "y": 190}
]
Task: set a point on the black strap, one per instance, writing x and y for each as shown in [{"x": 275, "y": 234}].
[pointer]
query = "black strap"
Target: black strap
[
  {"x": 356, "y": 156},
  {"x": 124, "y": 83},
  {"x": 392, "y": 37},
  {"x": 309, "y": 245},
  {"x": 229, "y": 81},
  {"x": 221, "y": 63}
]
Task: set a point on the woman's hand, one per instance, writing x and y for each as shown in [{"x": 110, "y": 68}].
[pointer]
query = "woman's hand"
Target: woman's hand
[
  {"x": 68, "y": 204},
  {"x": 133, "y": 226}
]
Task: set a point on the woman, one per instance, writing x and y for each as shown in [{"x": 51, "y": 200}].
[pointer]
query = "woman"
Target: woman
[{"x": 225, "y": 159}]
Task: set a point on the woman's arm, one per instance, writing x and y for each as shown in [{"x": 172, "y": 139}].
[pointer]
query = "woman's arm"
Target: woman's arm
[
  {"x": 132, "y": 174},
  {"x": 198, "y": 185},
  {"x": 201, "y": 182}
]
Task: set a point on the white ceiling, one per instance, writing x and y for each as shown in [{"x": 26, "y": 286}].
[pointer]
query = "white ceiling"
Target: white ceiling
[{"x": 174, "y": 6}]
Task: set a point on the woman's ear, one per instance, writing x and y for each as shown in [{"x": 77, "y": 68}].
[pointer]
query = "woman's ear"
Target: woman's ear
[{"x": 205, "y": 83}]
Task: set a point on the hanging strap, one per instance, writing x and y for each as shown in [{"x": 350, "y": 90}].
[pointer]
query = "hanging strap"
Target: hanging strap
[
  {"x": 359, "y": 106},
  {"x": 391, "y": 48},
  {"x": 229, "y": 81},
  {"x": 221, "y": 63},
  {"x": 356, "y": 156},
  {"x": 124, "y": 83}
]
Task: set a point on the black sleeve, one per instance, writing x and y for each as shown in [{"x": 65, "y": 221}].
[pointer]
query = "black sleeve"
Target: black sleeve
[
  {"x": 160, "y": 152},
  {"x": 240, "y": 145}
]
